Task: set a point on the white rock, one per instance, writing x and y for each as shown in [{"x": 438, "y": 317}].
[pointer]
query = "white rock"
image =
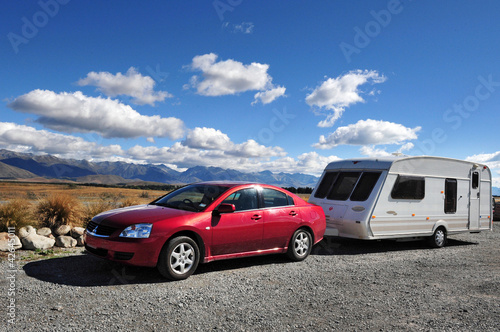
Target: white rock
[
  {"x": 26, "y": 231},
  {"x": 65, "y": 241},
  {"x": 15, "y": 243},
  {"x": 63, "y": 230},
  {"x": 33, "y": 241},
  {"x": 44, "y": 231},
  {"x": 76, "y": 232}
]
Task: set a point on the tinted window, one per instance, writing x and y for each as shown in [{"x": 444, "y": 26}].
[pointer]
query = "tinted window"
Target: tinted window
[
  {"x": 274, "y": 198},
  {"x": 450, "y": 196},
  {"x": 409, "y": 187},
  {"x": 365, "y": 186},
  {"x": 245, "y": 199},
  {"x": 325, "y": 184},
  {"x": 343, "y": 186},
  {"x": 475, "y": 180},
  {"x": 191, "y": 198}
]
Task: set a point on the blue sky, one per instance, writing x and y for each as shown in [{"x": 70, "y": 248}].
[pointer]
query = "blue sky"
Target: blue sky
[{"x": 251, "y": 85}]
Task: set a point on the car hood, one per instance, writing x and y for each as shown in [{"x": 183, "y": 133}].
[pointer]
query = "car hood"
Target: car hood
[{"x": 138, "y": 214}]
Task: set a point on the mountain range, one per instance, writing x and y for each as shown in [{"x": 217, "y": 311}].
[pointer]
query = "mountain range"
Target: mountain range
[{"x": 16, "y": 166}]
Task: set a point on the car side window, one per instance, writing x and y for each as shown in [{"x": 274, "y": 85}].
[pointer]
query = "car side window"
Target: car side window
[
  {"x": 245, "y": 199},
  {"x": 273, "y": 198}
]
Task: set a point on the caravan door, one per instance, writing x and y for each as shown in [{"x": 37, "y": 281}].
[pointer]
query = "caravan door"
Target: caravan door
[{"x": 474, "y": 198}]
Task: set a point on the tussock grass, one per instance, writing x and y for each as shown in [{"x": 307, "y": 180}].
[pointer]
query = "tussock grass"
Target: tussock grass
[
  {"x": 16, "y": 213},
  {"x": 60, "y": 209}
]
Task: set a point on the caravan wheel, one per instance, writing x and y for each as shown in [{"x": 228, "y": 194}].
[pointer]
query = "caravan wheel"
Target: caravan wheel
[{"x": 438, "y": 239}]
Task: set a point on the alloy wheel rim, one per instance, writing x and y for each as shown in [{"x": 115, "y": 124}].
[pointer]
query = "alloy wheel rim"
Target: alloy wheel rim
[
  {"x": 301, "y": 244},
  {"x": 182, "y": 258}
]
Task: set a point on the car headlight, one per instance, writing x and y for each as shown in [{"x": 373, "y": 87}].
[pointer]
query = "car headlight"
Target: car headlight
[{"x": 137, "y": 231}]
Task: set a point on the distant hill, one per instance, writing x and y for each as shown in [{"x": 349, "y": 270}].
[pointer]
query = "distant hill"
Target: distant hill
[
  {"x": 107, "y": 172},
  {"x": 12, "y": 172}
]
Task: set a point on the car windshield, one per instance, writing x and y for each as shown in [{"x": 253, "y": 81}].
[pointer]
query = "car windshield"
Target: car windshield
[{"x": 194, "y": 197}]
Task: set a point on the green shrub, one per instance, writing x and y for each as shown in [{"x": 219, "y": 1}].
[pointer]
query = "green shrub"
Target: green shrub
[
  {"x": 61, "y": 209},
  {"x": 16, "y": 213},
  {"x": 144, "y": 194}
]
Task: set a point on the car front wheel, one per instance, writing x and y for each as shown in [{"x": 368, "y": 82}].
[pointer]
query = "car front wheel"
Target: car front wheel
[
  {"x": 300, "y": 245},
  {"x": 179, "y": 258}
]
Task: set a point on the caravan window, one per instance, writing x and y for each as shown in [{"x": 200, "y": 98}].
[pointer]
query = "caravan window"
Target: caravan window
[
  {"x": 343, "y": 186},
  {"x": 409, "y": 187},
  {"x": 450, "y": 195},
  {"x": 325, "y": 184},
  {"x": 475, "y": 180},
  {"x": 365, "y": 186}
]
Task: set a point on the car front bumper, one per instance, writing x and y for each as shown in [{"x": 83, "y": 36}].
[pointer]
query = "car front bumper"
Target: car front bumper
[{"x": 138, "y": 252}]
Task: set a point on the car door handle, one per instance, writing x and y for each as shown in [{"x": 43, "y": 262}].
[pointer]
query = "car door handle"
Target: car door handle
[
  {"x": 256, "y": 217},
  {"x": 293, "y": 213}
]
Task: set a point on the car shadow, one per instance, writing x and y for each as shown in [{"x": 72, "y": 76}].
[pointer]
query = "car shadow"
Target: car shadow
[
  {"x": 87, "y": 271},
  {"x": 332, "y": 245}
]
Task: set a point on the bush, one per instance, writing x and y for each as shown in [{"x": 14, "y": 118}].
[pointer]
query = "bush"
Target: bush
[
  {"x": 61, "y": 209},
  {"x": 16, "y": 213},
  {"x": 95, "y": 208},
  {"x": 144, "y": 194},
  {"x": 128, "y": 202}
]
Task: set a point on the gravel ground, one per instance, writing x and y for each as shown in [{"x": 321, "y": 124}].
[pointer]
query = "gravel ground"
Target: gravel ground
[{"x": 345, "y": 285}]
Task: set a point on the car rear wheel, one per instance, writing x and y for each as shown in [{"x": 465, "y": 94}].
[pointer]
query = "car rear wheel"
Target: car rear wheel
[
  {"x": 438, "y": 239},
  {"x": 179, "y": 258},
  {"x": 300, "y": 245}
]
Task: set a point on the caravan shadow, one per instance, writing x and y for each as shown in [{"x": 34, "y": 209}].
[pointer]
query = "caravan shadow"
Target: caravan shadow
[{"x": 332, "y": 245}]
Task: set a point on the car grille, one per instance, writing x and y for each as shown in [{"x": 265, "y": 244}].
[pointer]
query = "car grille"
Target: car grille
[
  {"x": 98, "y": 252},
  {"x": 101, "y": 230}
]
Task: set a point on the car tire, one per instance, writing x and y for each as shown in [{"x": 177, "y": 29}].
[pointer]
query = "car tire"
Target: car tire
[
  {"x": 179, "y": 258},
  {"x": 300, "y": 245},
  {"x": 438, "y": 239}
]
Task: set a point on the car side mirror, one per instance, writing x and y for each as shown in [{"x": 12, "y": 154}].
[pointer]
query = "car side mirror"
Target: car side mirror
[{"x": 226, "y": 208}]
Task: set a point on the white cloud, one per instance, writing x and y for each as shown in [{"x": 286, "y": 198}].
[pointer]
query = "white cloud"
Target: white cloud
[
  {"x": 335, "y": 94},
  {"x": 28, "y": 139},
  {"x": 368, "y": 132},
  {"x": 207, "y": 138},
  {"x": 133, "y": 84},
  {"x": 231, "y": 77},
  {"x": 75, "y": 112},
  {"x": 212, "y": 139},
  {"x": 492, "y": 160},
  {"x": 371, "y": 151},
  {"x": 269, "y": 96}
]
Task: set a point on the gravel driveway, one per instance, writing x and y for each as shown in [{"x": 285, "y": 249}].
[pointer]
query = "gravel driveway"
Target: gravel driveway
[{"x": 345, "y": 285}]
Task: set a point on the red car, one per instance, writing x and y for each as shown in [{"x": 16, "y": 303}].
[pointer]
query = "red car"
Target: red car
[{"x": 204, "y": 222}]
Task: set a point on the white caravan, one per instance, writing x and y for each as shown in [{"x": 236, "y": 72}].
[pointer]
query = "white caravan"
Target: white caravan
[{"x": 404, "y": 197}]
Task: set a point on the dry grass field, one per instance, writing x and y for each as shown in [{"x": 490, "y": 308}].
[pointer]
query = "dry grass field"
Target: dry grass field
[
  {"x": 49, "y": 205},
  {"x": 86, "y": 194}
]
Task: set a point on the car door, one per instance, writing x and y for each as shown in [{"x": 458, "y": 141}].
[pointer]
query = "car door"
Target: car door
[
  {"x": 281, "y": 218},
  {"x": 241, "y": 230}
]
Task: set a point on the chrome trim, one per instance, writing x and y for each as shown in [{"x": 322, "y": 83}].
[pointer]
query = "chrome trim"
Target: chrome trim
[{"x": 94, "y": 234}]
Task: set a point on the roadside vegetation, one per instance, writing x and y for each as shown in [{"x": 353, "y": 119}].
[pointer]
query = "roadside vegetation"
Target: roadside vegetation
[
  {"x": 55, "y": 204},
  {"x": 52, "y": 205}
]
